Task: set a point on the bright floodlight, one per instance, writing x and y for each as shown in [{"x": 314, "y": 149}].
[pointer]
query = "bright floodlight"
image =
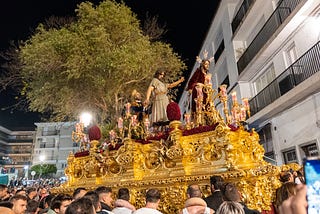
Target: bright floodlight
[
  {"x": 41, "y": 158},
  {"x": 85, "y": 118}
]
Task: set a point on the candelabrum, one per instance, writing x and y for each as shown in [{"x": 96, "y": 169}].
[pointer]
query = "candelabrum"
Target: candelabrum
[
  {"x": 79, "y": 136},
  {"x": 224, "y": 100},
  {"x": 239, "y": 111}
]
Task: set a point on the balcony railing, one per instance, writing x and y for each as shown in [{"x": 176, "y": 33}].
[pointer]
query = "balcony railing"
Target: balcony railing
[
  {"x": 306, "y": 66},
  {"x": 240, "y": 14},
  {"x": 284, "y": 9}
]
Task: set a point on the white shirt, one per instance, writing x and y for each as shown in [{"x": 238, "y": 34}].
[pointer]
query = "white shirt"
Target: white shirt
[
  {"x": 122, "y": 210},
  {"x": 145, "y": 210}
]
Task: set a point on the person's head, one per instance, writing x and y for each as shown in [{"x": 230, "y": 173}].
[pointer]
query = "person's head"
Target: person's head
[
  {"x": 136, "y": 95},
  {"x": 31, "y": 192},
  {"x": 7, "y": 204},
  {"x": 32, "y": 206},
  {"x": 79, "y": 192},
  {"x": 230, "y": 207},
  {"x": 94, "y": 197},
  {"x": 205, "y": 64},
  {"x": 21, "y": 192},
  {"x": 105, "y": 195},
  {"x": 284, "y": 192},
  {"x": 216, "y": 182},
  {"x": 60, "y": 203},
  {"x": 81, "y": 206},
  {"x": 123, "y": 193},
  {"x": 230, "y": 192},
  {"x": 46, "y": 201},
  {"x": 19, "y": 203},
  {"x": 153, "y": 196},
  {"x": 3, "y": 191},
  {"x": 286, "y": 176},
  {"x": 160, "y": 73},
  {"x": 193, "y": 191}
]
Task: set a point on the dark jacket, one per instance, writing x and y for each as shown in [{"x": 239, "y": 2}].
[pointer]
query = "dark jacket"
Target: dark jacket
[{"x": 213, "y": 201}]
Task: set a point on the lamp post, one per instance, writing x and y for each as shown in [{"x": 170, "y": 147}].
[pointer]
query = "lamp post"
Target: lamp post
[{"x": 41, "y": 158}]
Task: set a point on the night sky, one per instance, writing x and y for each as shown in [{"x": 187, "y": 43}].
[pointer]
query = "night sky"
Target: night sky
[{"x": 187, "y": 23}]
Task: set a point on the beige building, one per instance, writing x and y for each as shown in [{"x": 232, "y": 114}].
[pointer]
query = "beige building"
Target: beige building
[{"x": 269, "y": 52}]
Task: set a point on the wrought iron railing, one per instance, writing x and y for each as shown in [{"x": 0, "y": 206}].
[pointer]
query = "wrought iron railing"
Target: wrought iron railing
[
  {"x": 246, "y": 4},
  {"x": 303, "y": 68},
  {"x": 276, "y": 19}
]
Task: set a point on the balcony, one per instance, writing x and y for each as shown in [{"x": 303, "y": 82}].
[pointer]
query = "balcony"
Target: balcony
[
  {"x": 280, "y": 14},
  {"x": 244, "y": 8},
  {"x": 306, "y": 66}
]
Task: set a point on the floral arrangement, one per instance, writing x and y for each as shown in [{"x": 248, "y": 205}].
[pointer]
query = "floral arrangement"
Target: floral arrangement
[
  {"x": 81, "y": 154},
  {"x": 199, "y": 129},
  {"x": 173, "y": 111}
]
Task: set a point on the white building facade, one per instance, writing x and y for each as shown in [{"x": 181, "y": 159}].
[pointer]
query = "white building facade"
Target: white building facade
[
  {"x": 269, "y": 52},
  {"x": 53, "y": 143}
]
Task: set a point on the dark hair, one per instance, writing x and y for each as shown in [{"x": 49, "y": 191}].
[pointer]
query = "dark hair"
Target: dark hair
[
  {"x": 123, "y": 193},
  {"x": 3, "y": 187},
  {"x": 193, "y": 190},
  {"x": 203, "y": 61},
  {"x": 31, "y": 189},
  {"x": 94, "y": 197},
  {"x": 47, "y": 199},
  {"x": 230, "y": 192},
  {"x": 80, "y": 206},
  {"x": 32, "y": 206},
  {"x": 77, "y": 191},
  {"x": 7, "y": 204},
  {"x": 153, "y": 195},
  {"x": 103, "y": 189},
  {"x": 217, "y": 181},
  {"x": 57, "y": 200},
  {"x": 158, "y": 72}
]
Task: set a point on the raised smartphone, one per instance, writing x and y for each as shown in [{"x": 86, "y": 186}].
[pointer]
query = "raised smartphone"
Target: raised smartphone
[{"x": 312, "y": 178}]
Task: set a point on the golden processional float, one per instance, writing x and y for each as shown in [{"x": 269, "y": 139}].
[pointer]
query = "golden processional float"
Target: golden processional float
[{"x": 186, "y": 153}]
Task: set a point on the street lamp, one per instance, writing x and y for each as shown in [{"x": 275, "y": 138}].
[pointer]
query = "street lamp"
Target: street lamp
[
  {"x": 85, "y": 118},
  {"x": 41, "y": 158}
]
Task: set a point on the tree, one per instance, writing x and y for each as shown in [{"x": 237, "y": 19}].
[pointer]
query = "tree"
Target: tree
[
  {"x": 92, "y": 64},
  {"x": 42, "y": 170}
]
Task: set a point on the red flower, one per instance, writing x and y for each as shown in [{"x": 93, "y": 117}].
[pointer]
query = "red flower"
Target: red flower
[
  {"x": 94, "y": 133},
  {"x": 173, "y": 111}
]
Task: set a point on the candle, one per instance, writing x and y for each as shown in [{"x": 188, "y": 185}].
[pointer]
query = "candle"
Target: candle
[
  {"x": 207, "y": 80},
  {"x": 146, "y": 123},
  {"x": 187, "y": 118},
  {"x": 128, "y": 106},
  {"x": 199, "y": 91},
  {"x": 245, "y": 103},
  {"x": 223, "y": 90},
  {"x": 120, "y": 123},
  {"x": 112, "y": 135},
  {"x": 234, "y": 96},
  {"x": 243, "y": 114},
  {"x": 134, "y": 120}
]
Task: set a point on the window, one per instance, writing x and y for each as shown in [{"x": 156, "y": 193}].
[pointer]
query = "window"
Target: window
[
  {"x": 291, "y": 55},
  {"x": 290, "y": 156},
  {"x": 265, "y": 79},
  {"x": 310, "y": 150}
]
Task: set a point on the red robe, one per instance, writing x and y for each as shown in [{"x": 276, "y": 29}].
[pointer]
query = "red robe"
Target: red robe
[{"x": 197, "y": 77}]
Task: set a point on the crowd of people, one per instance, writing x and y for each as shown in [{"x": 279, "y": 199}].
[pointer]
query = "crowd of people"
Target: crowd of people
[{"x": 225, "y": 198}]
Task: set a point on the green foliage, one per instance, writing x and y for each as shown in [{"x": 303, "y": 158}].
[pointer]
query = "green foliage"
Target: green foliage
[
  {"x": 44, "y": 169},
  {"x": 92, "y": 64}
]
